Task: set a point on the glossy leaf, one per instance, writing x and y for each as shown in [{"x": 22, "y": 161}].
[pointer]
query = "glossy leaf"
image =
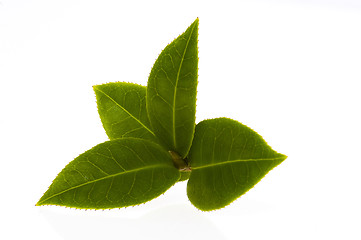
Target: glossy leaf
[
  {"x": 172, "y": 89},
  {"x": 227, "y": 159},
  {"x": 113, "y": 174},
  {"x": 122, "y": 110}
]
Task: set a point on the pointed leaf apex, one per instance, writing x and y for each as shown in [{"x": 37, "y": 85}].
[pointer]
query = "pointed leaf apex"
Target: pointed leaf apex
[{"x": 171, "y": 92}]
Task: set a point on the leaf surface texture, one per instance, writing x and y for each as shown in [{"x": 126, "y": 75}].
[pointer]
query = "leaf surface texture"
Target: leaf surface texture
[
  {"x": 172, "y": 89},
  {"x": 114, "y": 174},
  {"x": 227, "y": 159},
  {"x": 122, "y": 110}
]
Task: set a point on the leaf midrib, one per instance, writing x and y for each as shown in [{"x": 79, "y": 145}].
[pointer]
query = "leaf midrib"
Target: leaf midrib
[
  {"x": 176, "y": 85},
  {"x": 236, "y": 161},
  {"x": 131, "y": 115},
  {"x": 100, "y": 179}
]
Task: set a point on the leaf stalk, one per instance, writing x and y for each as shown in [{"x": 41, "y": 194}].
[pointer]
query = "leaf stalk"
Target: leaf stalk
[{"x": 180, "y": 163}]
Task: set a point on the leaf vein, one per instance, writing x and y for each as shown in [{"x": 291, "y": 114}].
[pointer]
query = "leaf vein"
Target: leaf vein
[
  {"x": 176, "y": 85},
  {"x": 237, "y": 161},
  {"x": 136, "y": 119},
  {"x": 100, "y": 179}
]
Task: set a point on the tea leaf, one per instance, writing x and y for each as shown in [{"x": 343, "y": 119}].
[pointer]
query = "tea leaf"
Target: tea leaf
[
  {"x": 122, "y": 109},
  {"x": 155, "y": 143},
  {"x": 114, "y": 174},
  {"x": 172, "y": 89},
  {"x": 227, "y": 159}
]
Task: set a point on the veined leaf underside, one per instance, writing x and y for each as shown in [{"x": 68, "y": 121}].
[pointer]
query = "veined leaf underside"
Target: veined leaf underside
[
  {"x": 237, "y": 161},
  {"x": 116, "y": 173},
  {"x": 176, "y": 86},
  {"x": 227, "y": 159},
  {"x": 171, "y": 92},
  {"x": 126, "y": 111}
]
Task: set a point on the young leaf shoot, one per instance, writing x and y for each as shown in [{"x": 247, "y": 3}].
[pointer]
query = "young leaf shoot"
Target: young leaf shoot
[{"x": 154, "y": 142}]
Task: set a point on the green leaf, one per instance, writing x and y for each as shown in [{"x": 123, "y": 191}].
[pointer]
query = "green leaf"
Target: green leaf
[
  {"x": 122, "y": 109},
  {"x": 227, "y": 159},
  {"x": 184, "y": 176},
  {"x": 172, "y": 89},
  {"x": 114, "y": 174}
]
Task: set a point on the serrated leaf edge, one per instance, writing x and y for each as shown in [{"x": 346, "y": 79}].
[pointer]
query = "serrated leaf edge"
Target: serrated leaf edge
[
  {"x": 195, "y": 23},
  {"x": 121, "y": 107},
  {"x": 99, "y": 179}
]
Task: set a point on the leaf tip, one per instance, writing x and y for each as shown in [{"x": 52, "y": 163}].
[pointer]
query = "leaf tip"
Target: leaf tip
[
  {"x": 282, "y": 157},
  {"x": 95, "y": 87},
  {"x": 39, "y": 203},
  {"x": 195, "y": 24}
]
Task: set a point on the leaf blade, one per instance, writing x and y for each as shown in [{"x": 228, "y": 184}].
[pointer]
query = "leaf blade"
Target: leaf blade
[
  {"x": 114, "y": 174},
  {"x": 172, "y": 89},
  {"x": 122, "y": 110},
  {"x": 227, "y": 159}
]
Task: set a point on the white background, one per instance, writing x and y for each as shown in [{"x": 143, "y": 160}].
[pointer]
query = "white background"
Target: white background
[{"x": 288, "y": 69}]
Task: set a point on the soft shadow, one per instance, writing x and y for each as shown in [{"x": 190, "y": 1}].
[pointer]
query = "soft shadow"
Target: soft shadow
[{"x": 170, "y": 222}]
